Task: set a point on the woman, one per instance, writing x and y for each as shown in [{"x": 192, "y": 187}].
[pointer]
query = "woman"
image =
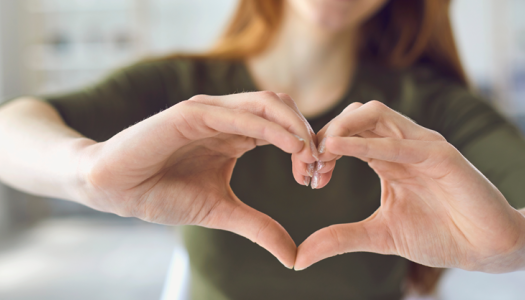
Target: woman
[{"x": 110, "y": 148}]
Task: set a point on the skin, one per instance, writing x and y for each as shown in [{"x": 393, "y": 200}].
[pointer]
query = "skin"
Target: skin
[
  {"x": 174, "y": 167},
  {"x": 436, "y": 208}
]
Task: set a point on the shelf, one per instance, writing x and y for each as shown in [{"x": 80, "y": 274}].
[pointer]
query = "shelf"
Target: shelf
[{"x": 79, "y": 6}]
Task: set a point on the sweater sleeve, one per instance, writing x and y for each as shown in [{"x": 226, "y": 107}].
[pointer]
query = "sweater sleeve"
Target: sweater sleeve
[{"x": 122, "y": 99}]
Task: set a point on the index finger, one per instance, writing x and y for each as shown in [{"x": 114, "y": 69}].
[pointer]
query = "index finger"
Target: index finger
[
  {"x": 381, "y": 120},
  {"x": 270, "y": 106},
  {"x": 374, "y": 120}
]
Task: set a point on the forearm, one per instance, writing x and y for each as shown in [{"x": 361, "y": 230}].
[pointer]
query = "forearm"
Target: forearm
[{"x": 39, "y": 153}]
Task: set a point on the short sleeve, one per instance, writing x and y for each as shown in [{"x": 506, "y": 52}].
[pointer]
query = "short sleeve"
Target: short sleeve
[{"x": 122, "y": 99}]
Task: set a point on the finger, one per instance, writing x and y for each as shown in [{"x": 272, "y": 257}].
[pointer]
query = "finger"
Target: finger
[
  {"x": 259, "y": 228},
  {"x": 321, "y": 135},
  {"x": 353, "y": 106},
  {"x": 320, "y": 180},
  {"x": 261, "y": 142},
  {"x": 313, "y": 142},
  {"x": 434, "y": 158},
  {"x": 340, "y": 239},
  {"x": 299, "y": 170},
  {"x": 325, "y": 166},
  {"x": 386, "y": 149},
  {"x": 270, "y": 106},
  {"x": 197, "y": 121},
  {"x": 376, "y": 117},
  {"x": 302, "y": 172},
  {"x": 188, "y": 121},
  {"x": 289, "y": 101},
  {"x": 328, "y": 156}
]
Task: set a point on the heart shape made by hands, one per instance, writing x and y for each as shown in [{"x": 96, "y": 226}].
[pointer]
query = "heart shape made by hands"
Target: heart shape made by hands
[{"x": 175, "y": 168}]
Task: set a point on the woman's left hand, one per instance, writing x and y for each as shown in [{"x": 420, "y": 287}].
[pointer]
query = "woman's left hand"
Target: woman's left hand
[{"x": 436, "y": 208}]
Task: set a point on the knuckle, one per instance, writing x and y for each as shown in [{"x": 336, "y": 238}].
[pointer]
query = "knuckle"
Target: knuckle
[
  {"x": 284, "y": 96},
  {"x": 337, "y": 128},
  {"x": 352, "y": 107},
  {"x": 242, "y": 117},
  {"x": 287, "y": 100},
  {"x": 355, "y": 105},
  {"x": 262, "y": 104},
  {"x": 185, "y": 114},
  {"x": 333, "y": 145},
  {"x": 377, "y": 105},
  {"x": 365, "y": 149},
  {"x": 395, "y": 145},
  {"x": 336, "y": 239},
  {"x": 437, "y": 136},
  {"x": 268, "y": 95},
  {"x": 186, "y": 105},
  {"x": 198, "y": 98},
  {"x": 265, "y": 225}
]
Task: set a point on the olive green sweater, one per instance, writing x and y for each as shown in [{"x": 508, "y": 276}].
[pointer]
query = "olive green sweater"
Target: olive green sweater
[{"x": 230, "y": 267}]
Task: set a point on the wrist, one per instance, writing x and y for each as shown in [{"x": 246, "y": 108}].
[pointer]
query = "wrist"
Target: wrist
[
  {"x": 520, "y": 251},
  {"x": 510, "y": 258},
  {"x": 515, "y": 260},
  {"x": 77, "y": 182}
]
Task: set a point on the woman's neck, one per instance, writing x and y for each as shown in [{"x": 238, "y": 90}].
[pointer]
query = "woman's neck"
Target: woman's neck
[{"x": 314, "y": 67}]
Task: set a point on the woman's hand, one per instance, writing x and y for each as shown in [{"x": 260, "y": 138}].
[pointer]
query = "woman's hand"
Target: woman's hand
[
  {"x": 175, "y": 167},
  {"x": 436, "y": 208}
]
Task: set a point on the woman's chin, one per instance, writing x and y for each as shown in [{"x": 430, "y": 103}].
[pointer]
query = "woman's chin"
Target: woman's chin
[
  {"x": 333, "y": 24},
  {"x": 335, "y": 15}
]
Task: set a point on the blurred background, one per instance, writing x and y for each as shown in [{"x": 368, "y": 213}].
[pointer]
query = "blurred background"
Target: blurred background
[{"x": 52, "y": 249}]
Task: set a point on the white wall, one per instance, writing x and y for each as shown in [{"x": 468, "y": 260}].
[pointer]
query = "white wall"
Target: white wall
[
  {"x": 13, "y": 82},
  {"x": 473, "y": 27},
  {"x": 13, "y": 40},
  {"x": 3, "y": 203},
  {"x": 183, "y": 25},
  {"x": 491, "y": 39}
]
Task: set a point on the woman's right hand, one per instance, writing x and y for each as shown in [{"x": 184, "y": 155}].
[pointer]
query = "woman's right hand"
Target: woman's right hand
[{"x": 175, "y": 167}]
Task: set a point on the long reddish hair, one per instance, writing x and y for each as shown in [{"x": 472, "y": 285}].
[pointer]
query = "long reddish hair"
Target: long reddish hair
[{"x": 402, "y": 33}]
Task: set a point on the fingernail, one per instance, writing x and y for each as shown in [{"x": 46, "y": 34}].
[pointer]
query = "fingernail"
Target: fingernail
[
  {"x": 310, "y": 169},
  {"x": 322, "y": 146},
  {"x": 315, "y": 180},
  {"x": 298, "y": 269},
  {"x": 320, "y": 165},
  {"x": 290, "y": 268},
  {"x": 299, "y": 138},
  {"x": 306, "y": 180},
  {"x": 315, "y": 154}
]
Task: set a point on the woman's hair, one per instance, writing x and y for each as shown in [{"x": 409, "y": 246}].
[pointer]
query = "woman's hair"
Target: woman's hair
[{"x": 400, "y": 34}]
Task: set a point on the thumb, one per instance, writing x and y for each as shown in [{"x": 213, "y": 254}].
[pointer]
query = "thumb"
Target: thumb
[
  {"x": 339, "y": 239},
  {"x": 259, "y": 228}
]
